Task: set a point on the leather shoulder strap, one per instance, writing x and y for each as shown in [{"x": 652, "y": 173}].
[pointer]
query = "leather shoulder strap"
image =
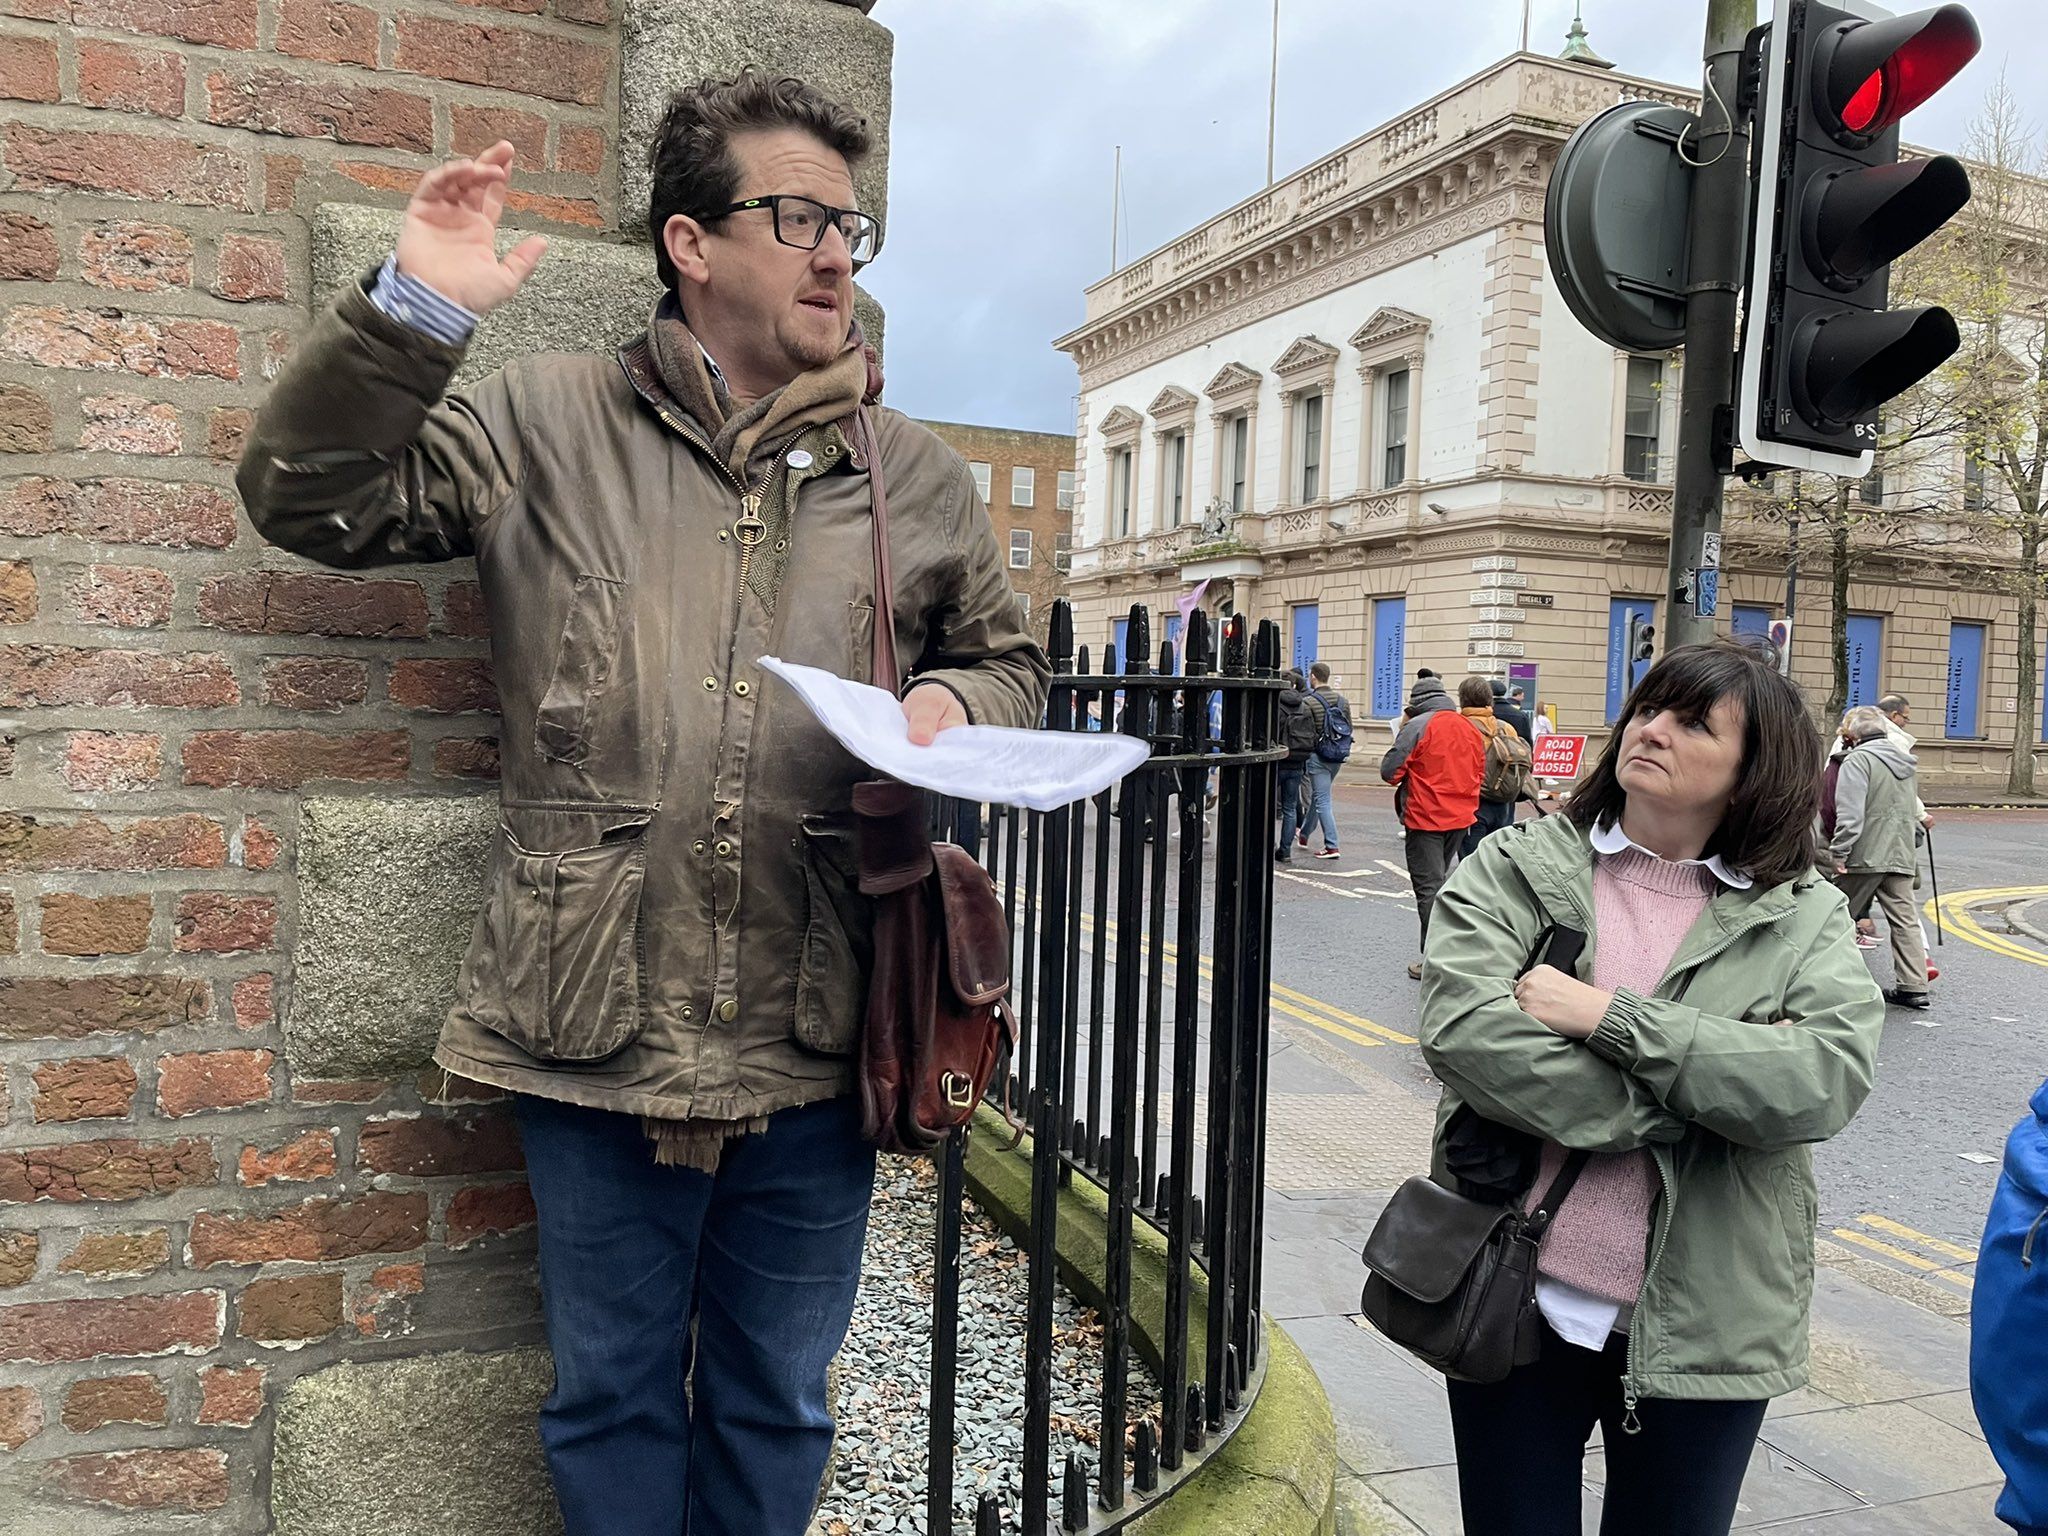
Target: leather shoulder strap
[{"x": 886, "y": 673}]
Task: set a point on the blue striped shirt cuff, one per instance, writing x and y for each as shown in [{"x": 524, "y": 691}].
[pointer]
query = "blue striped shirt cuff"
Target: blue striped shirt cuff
[{"x": 411, "y": 302}]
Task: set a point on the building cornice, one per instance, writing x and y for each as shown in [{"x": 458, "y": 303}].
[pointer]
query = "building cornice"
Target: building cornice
[{"x": 1477, "y": 156}]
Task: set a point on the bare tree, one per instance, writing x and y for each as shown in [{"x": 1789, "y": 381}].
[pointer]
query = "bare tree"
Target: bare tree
[{"x": 1983, "y": 417}]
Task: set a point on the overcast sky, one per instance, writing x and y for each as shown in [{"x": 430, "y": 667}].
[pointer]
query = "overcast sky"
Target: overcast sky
[{"x": 1008, "y": 113}]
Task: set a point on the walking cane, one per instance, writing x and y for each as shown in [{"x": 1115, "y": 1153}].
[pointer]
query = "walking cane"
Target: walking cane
[{"x": 1934, "y": 875}]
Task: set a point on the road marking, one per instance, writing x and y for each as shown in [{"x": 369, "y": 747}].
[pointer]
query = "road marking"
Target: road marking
[
  {"x": 1910, "y": 1260},
  {"x": 1296, "y": 1005},
  {"x": 1900, "y": 1229},
  {"x": 1953, "y": 913},
  {"x": 1399, "y": 898},
  {"x": 1396, "y": 868}
]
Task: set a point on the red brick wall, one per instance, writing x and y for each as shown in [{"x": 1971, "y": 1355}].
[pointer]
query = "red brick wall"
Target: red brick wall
[{"x": 176, "y": 1208}]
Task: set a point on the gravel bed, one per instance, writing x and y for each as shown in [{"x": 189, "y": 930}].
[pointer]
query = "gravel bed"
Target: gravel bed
[{"x": 878, "y": 1476}]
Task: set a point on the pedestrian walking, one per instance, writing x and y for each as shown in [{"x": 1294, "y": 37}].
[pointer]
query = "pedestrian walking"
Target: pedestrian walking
[
  {"x": 2009, "y": 1324},
  {"x": 1725, "y": 1024},
  {"x": 1506, "y": 777},
  {"x": 1875, "y": 846},
  {"x": 1508, "y": 707},
  {"x": 1300, "y": 729},
  {"x": 1540, "y": 727},
  {"x": 1333, "y": 749},
  {"x": 669, "y": 973},
  {"x": 1436, "y": 765}
]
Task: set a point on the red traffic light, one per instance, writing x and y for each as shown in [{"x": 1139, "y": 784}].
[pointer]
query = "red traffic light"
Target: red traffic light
[{"x": 1869, "y": 74}]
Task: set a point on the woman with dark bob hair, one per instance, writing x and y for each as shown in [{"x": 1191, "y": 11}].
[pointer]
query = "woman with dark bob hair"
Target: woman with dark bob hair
[{"x": 1715, "y": 1023}]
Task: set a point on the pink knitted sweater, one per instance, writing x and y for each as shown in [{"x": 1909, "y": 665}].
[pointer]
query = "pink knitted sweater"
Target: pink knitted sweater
[{"x": 1643, "y": 907}]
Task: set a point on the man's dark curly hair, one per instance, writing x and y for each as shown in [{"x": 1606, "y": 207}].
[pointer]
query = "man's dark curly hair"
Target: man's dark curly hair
[{"x": 694, "y": 168}]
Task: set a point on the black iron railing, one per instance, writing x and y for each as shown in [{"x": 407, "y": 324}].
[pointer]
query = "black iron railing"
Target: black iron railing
[{"x": 1121, "y": 1027}]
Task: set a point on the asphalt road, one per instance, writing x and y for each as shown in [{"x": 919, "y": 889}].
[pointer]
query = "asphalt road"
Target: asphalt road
[{"x": 1908, "y": 1182}]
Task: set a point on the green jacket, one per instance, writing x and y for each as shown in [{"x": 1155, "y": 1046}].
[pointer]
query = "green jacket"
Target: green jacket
[
  {"x": 1877, "y": 813},
  {"x": 1759, "y": 1041},
  {"x": 673, "y": 926}
]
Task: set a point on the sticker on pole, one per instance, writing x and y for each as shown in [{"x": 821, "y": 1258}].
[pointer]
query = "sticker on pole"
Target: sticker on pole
[{"x": 1557, "y": 756}]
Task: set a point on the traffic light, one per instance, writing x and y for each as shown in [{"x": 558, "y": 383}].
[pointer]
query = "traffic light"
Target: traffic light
[
  {"x": 1642, "y": 647},
  {"x": 1834, "y": 206}
]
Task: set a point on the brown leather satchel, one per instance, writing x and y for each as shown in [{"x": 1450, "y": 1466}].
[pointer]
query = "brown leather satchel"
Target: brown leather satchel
[{"x": 938, "y": 1011}]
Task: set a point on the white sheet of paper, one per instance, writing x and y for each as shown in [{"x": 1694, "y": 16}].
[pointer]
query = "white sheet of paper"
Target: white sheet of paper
[{"x": 1039, "y": 770}]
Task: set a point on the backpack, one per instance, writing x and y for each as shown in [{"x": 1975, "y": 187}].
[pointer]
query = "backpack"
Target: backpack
[
  {"x": 1510, "y": 766},
  {"x": 1301, "y": 733},
  {"x": 1334, "y": 744}
]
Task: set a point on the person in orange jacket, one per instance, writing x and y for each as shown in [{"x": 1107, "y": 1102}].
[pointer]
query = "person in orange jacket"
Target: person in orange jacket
[{"x": 1436, "y": 766}]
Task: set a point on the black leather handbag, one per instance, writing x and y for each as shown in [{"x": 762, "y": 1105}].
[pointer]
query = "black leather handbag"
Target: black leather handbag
[
  {"x": 1453, "y": 1280},
  {"x": 1453, "y": 1277}
]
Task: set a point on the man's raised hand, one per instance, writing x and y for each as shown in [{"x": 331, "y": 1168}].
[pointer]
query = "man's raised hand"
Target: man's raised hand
[{"x": 450, "y": 225}]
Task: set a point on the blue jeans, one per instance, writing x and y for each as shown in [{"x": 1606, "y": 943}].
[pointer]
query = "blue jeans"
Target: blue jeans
[
  {"x": 1321, "y": 776},
  {"x": 764, "y": 1257},
  {"x": 1289, "y": 787}
]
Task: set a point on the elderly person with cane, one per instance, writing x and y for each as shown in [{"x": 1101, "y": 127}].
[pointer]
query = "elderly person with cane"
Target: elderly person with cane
[{"x": 1875, "y": 844}]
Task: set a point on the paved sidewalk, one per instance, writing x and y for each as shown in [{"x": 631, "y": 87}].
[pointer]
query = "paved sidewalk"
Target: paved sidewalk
[{"x": 1882, "y": 1443}]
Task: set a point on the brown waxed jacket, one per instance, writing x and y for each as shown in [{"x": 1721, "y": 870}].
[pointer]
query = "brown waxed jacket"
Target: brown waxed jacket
[{"x": 672, "y": 927}]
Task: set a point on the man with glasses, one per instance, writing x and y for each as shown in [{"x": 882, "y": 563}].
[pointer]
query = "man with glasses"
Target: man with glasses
[{"x": 671, "y": 968}]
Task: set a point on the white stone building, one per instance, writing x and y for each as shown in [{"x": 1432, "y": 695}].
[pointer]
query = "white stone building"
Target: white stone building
[{"x": 1356, "y": 405}]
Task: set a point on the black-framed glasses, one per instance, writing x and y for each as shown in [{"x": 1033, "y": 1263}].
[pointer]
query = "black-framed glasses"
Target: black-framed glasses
[{"x": 802, "y": 222}]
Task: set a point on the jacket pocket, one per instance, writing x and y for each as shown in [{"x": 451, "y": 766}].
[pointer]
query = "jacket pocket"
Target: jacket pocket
[
  {"x": 565, "y": 930},
  {"x": 836, "y": 952},
  {"x": 860, "y": 641},
  {"x": 584, "y": 659},
  {"x": 1796, "y": 1208}
]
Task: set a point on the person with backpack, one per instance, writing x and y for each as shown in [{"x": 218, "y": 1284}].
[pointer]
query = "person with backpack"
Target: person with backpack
[
  {"x": 1333, "y": 746},
  {"x": 1509, "y": 776},
  {"x": 1300, "y": 728},
  {"x": 1436, "y": 765}
]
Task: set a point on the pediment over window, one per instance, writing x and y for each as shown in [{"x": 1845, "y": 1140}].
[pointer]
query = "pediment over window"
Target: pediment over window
[
  {"x": 1308, "y": 355},
  {"x": 1172, "y": 407},
  {"x": 1121, "y": 422},
  {"x": 1233, "y": 380},
  {"x": 1388, "y": 332}
]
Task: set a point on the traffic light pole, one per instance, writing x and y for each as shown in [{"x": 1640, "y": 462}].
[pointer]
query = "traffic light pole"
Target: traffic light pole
[{"x": 1720, "y": 208}]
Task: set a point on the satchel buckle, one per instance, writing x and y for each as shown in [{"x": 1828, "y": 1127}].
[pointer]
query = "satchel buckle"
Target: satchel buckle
[{"x": 959, "y": 1090}]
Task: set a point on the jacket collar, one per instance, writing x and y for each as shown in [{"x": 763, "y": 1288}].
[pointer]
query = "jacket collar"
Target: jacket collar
[
  {"x": 1608, "y": 838},
  {"x": 670, "y": 369},
  {"x": 1556, "y": 858}
]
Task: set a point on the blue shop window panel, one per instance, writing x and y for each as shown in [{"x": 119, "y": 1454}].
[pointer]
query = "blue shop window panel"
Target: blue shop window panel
[
  {"x": 1751, "y": 620},
  {"x": 1122, "y": 631},
  {"x": 1866, "y": 658},
  {"x": 1389, "y": 654},
  {"x": 1619, "y": 611},
  {"x": 1308, "y": 625},
  {"x": 1173, "y": 639},
  {"x": 1965, "y": 681}
]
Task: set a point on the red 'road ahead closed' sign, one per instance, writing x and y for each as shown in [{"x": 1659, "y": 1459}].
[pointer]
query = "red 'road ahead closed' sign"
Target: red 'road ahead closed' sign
[{"x": 1557, "y": 755}]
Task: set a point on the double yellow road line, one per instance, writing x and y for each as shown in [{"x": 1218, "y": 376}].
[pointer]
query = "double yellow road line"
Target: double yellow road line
[
  {"x": 1903, "y": 1245},
  {"x": 1953, "y": 912},
  {"x": 1314, "y": 1012}
]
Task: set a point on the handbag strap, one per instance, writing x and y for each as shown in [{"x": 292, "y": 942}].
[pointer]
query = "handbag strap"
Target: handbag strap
[
  {"x": 1539, "y": 1219},
  {"x": 885, "y": 673}
]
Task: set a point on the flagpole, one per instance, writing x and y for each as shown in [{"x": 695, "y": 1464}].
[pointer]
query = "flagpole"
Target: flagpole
[
  {"x": 1116, "y": 199},
  {"x": 1525, "y": 26},
  {"x": 1273, "y": 94}
]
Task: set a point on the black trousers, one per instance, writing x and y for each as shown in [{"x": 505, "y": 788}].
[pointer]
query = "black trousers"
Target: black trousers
[
  {"x": 1522, "y": 1451},
  {"x": 1430, "y": 856},
  {"x": 1493, "y": 815}
]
